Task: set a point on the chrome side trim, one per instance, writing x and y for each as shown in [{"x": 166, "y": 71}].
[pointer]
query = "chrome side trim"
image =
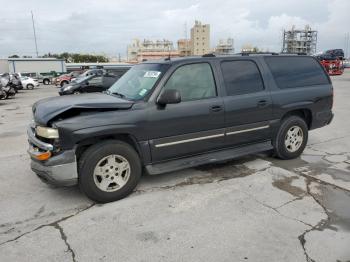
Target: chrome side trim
[
  {"x": 189, "y": 140},
  {"x": 247, "y": 130}
]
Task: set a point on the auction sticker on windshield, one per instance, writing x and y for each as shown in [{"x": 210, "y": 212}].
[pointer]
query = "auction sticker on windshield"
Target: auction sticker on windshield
[
  {"x": 143, "y": 92},
  {"x": 153, "y": 74}
]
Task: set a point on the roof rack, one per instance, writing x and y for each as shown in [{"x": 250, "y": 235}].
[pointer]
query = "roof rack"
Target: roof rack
[
  {"x": 209, "y": 55},
  {"x": 257, "y": 53}
]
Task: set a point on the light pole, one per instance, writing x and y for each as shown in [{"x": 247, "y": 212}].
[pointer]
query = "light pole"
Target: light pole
[{"x": 36, "y": 45}]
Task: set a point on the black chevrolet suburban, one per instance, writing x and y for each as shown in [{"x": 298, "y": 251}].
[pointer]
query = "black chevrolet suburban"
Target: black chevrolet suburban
[{"x": 168, "y": 115}]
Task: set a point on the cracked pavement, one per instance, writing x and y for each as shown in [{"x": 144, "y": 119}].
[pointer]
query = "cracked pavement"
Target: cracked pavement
[{"x": 256, "y": 208}]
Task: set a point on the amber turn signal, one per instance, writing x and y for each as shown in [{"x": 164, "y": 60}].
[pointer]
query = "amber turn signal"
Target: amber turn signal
[{"x": 43, "y": 155}]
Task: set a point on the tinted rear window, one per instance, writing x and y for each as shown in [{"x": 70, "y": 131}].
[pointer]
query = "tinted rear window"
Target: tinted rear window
[
  {"x": 241, "y": 77},
  {"x": 296, "y": 71}
]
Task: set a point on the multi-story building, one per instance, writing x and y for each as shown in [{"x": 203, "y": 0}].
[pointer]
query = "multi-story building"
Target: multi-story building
[
  {"x": 225, "y": 47},
  {"x": 300, "y": 41},
  {"x": 133, "y": 50},
  {"x": 184, "y": 47},
  {"x": 200, "y": 39},
  {"x": 150, "y": 50}
]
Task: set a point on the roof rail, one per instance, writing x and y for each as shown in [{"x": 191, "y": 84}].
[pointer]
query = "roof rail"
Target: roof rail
[
  {"x": 257, "y": 53},
  {"x": 209, "y": 55},
  {"x": 293, "y": 53}
]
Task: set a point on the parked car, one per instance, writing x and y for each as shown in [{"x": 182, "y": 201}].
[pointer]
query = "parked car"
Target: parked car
[
  {"x": 91, "y": 83},
  {"x": 29, "y": 82},
  {"x": 44, "y": 78},
  {"x": 167, "y": 115},
  {"x": 338, "y": 53},
  {"x": 66, "y": 78}
]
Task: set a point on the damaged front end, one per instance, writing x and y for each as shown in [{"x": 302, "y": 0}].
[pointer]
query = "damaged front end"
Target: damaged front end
[
  {"x": 51, "y": 165},
  {"x": 50, "y": 160}
]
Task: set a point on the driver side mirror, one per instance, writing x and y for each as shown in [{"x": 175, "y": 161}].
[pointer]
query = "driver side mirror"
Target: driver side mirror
[{"x": 169, "y": 96}]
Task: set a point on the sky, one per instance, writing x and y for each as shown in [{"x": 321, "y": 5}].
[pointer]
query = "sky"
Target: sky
[{"x": 108, "y": 26}]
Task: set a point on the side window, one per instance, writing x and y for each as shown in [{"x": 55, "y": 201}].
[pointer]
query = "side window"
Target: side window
[
  {"x": 95, "y": 81},
  {"x": 194, "y": 81},
  {"x": 296, "y": 71},
  {"x": 241, "y": 77}
]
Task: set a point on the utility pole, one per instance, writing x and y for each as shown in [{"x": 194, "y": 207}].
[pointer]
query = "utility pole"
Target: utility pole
[
  {"x": 186, "y": 40},
  {"x": 36, "y": 45},
  {"x": 347, "y": 45}
]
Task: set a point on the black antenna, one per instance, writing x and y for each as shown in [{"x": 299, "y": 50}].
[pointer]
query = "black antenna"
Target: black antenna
[{"x": 169, "y": 52}]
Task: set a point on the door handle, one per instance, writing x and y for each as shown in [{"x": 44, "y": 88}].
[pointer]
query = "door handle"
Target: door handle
[
  {"x": 262, "y": 103},
  {"x": 216, "y": 108}
]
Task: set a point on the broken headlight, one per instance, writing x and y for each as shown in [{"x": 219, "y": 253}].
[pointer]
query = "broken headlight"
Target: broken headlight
[{"x": 46, "y": 132}]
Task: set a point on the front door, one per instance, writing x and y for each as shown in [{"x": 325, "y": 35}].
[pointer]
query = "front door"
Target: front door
[
  {"x": 95, "y": 84},
  {"x": 193, "y": 126},
  {"x": 248, "y": 104}
]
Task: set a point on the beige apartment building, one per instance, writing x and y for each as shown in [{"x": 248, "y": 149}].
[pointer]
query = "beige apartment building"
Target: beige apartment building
[
  {"x": 184, "y": 47},
  {"x": 139, "y": 51},
  {"x": 200, "y": 39}
]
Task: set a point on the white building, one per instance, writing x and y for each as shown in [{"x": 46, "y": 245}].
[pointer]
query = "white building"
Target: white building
[
  {"x": 32, "y": 65},
  {"x": 225, "y": 47}
]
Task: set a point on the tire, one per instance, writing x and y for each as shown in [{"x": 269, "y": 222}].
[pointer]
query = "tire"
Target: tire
[
  {"x": 291, "y": 138},
  {"x": 46, "y": 82},
  {"x": 63, "y": 83},
  {"x": 30, "y": 86},
  {"x": 98, "y": 164}
]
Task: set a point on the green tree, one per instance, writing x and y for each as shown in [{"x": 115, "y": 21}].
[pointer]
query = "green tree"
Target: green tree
[
  {"x": 14, "y": 56},
  {"x": 79, "y": 58}
]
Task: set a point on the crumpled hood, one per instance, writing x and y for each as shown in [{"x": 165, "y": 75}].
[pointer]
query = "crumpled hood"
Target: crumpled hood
[{"x": 46, "y": 109}]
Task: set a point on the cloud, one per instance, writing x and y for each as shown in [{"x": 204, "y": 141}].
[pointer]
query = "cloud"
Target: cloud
[{"x": 108, "y": 26}]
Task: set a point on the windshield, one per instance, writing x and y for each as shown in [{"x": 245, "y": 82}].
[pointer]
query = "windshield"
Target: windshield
[{"x": 138, "y": 81}]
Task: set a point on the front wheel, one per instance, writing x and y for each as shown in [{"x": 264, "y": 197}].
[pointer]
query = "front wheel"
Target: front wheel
[
  {"x": 63, "y": 83},
  {"x": 291, "y": 138},
  {"x": 46, "y": 81},
  {"x": 30, "y": 86},
  {"x": 109, "y": 171}
]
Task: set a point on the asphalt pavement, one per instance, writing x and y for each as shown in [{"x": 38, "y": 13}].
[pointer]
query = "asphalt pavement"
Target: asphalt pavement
[{"x": 256, "y": 208}]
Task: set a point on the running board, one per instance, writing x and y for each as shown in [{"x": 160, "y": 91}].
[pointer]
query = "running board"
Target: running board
[{"x": 211, "y": 157}]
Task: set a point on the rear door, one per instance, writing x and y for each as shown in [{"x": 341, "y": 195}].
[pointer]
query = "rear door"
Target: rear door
[{"x": 248, "y": 105}]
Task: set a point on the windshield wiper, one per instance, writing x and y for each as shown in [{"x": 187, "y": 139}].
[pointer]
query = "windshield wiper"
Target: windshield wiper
[
  {"x": 114, "y": 93},
  {"x": 118, "y": 94}
]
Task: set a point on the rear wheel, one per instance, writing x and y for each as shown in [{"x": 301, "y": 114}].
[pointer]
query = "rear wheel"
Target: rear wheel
[
  {"x": 109, "y": 171},
  {"x": 46, "y": 81},
  {"x": 30, "y": 86},
  {"x": 291, "y": 138}
]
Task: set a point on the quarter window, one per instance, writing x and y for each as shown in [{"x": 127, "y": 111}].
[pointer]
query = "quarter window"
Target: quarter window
[
  {"x": 194, "y": 81},
  {"x": 291, "y": 72},
  {"x": 241, "y": 77}
]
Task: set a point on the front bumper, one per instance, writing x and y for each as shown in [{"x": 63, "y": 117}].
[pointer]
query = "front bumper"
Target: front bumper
[
  {"x": 60, "y": 170},
  {"x": 67, "y": 92}
]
